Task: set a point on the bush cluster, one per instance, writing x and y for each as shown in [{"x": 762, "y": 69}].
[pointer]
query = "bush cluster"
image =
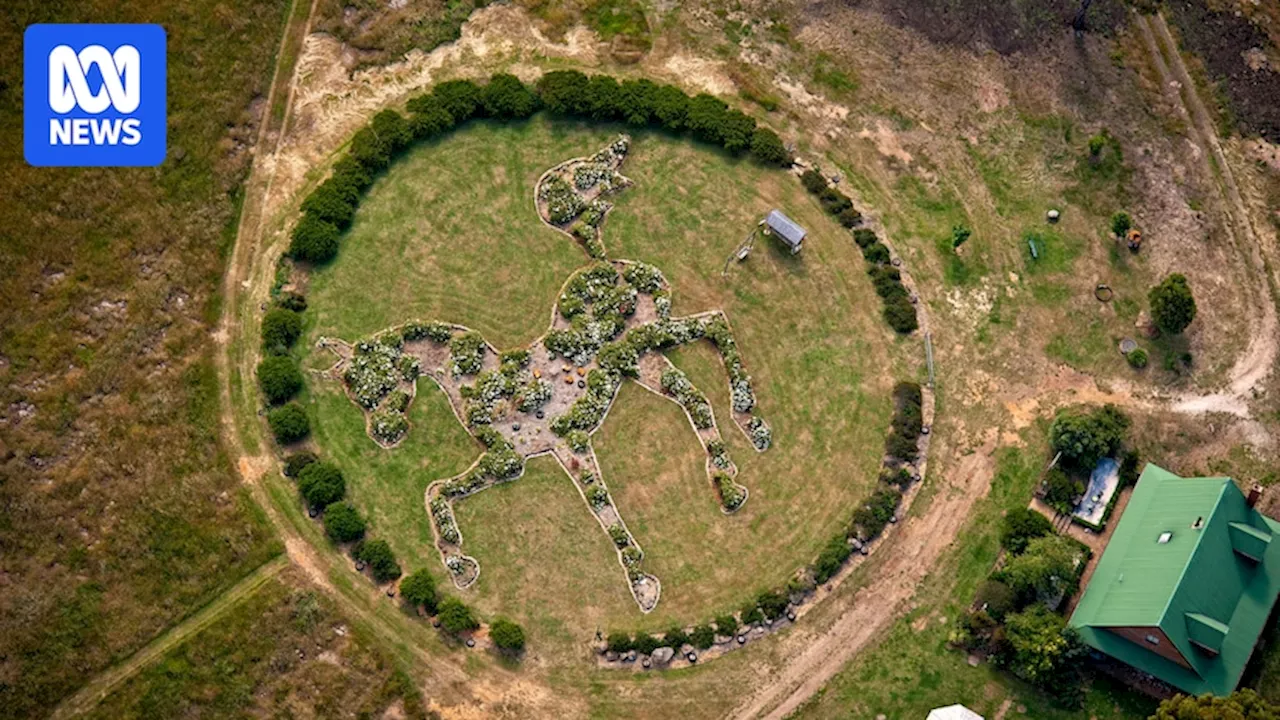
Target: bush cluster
[
  {"x": 279, "y": 378},
  {"x": 378, "y": 556},
  {"x": 455, "y": 617},
  {"x": 418, "y": 590},
  {"x": 908, "y": 418},
  {"x": 731, "y": 494},
  {"x": 342, "y": 523},
  {"x": 280, "y": 329},
  {"x": 587, "y": 411},
  {"x": 1083, "y": 437},
  {"x": 645, "y": 103},
  {"x": 466, "y": 352},
  {"x": 442, "y": 514},
  {"x": 675, "y": 382},
  {"x": 898, "y": 310},
  {"x": 288, "y": 423},
  {"x": 507, "y": 636},
  {"x": 321, "y": 484}
]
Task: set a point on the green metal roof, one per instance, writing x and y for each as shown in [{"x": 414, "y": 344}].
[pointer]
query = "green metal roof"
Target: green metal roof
[{"x": 1195, "y": 584}]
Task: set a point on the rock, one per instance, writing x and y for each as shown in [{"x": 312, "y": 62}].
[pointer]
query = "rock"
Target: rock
[
  {"x": 1053, "y": 216},
  {"x": 865, "y": 550},
  {"x": 471, "y": 642},
  {"x": 663, "y": 655},
  {"x": 692, "y": 657},
  {"x": 974, "y": 660},
  {"x": 742, "y": 639},
  {"x": 791, "y": 615},
  {"x": 631, "y": 656},
  {"x": 646, "y": 664},
  {"x": 611, "y": 656}
]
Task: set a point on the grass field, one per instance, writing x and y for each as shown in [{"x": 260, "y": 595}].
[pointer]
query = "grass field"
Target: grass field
[
  {"x": 808, "y": 327},
  {"x": 121, "y": 513},
  {"x": 284, "y": 652}
]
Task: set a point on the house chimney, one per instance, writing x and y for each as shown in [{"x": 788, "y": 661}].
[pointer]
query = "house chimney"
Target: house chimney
[{"x": 1255, "y": 492}]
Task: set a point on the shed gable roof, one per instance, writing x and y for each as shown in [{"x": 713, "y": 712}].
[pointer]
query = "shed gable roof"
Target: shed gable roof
[{"x": 785, "y": 227}]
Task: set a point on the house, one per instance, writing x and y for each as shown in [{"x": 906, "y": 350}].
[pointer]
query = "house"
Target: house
[
  {"x": 953, "y": 712},
  {"x": 785, "y": 228},
  {"x": 1186, "y": 583}
]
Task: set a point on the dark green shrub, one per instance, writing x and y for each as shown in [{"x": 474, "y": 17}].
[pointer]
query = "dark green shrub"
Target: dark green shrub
[
  {"x": 996, "y": 598},
  {"x": 506, "y": 98},
  {"x": 393, "y": 130},
  {"x": 618, "y": 642},
  {"x": 767, "y": 148},
  {"x": 1130, "y": 468},
  {"x": 295, "y": 462},
  {"x": 370, "y": 150},
  {"x": 773, "y": 603},
  {"x": 601, "y": 98},
  {"x": 1121, "y": 223},
  {"x": 378, "y": 556},
  {"x": 1137, "y": 359},
  {"x": 897, "y": 445},
  {"x": 280, "y": 328},
  {"x": 564, "y": 92},
  {"x": 908, "y": 411},
  {"x": 832, "y": 557},
  {"x": 736, "y": 131},
  {"x": 333, "y": 203},
  {"x": 635, "y": 103},
  {"x": 1084, "y": 437},
  {"x": 674, "y": 637},
  {"x": 874, "y": 514},
  {"x": 459, "y": 98},
  {"x": 645, "y": 644},
  {"x": 507, "y": 636},
  {"x": 292, "y": 301},
  {"x": 313, "y": 240},
  {"x": 350, "y": 173},
  {"x": 901, "y": 314},
  {"x": 702, "y": 637},
  {"x": 1172, "y": 305},
  {"x": 419, "y": 590},
  {"x": 288, "y": 423},
  {"x": 1020, "y": 526},
  {"x": 342, "y": 523},
  {"x": 751, "y": 614},
  {"x": 876, "y": 252},
  {"x": 865, "y": 237},
  {"x": 726, "y": 624},
  {"x": 833, "y": 201},
  {"x": 321, "y": 484},
  {"x": 671, "y": 107},
  {"x": 455, "y": 617},
  {"x": 1061, "y": 490},
  {"x": 706, "y": 118},
  {"x": 849, "y": 216},
  {"x": 430, "y": 120},
  {"x": 813, "y": 181},
  {"x": 279, "y": 378}
]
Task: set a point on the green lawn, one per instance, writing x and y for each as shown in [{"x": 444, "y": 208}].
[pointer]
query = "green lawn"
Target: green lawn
[{"x": 808, "y": 327}]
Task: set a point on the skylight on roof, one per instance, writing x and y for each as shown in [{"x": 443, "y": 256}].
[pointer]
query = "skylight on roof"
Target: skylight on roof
[{"x": 1164, "y": 537}]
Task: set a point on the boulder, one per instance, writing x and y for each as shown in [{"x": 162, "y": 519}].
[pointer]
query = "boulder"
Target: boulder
[
  {"x": 611, "y": 656},
  {"x": 663, "y": 655}
]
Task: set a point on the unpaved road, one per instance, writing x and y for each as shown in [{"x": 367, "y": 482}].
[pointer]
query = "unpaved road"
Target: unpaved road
[{"x": 920, "y": 543}]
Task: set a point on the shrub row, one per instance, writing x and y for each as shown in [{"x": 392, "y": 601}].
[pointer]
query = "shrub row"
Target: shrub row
[
  {"x": 832, "y": 200},
  {"x": 330, "y": 208},
  {"x": 644, "y": 103}
]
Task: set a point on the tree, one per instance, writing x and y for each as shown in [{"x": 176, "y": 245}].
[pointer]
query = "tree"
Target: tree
[
  {"x": 419, "y": 590},
  {"x": 1020, "y": 526},
  {"x": 314, "y": 240},
  {"x": 342, "y": 523},
  {"x": 392, "y": 130},
  {"x": 563, "y": 92},
  {"x": 280, "y": 328},
  {"x": 279, "y": 378},
  {"x": 1172, "y": 306},
  {"x": 671, "y": 107},
  {"x": 321, "y": 484},
  {"x": 332, "y": 202},
  {"x": 1243, "y": 704},
  {"x": 1084, "y": 437},
  {"x": 506, "y": 98},
  {"x": 455, "y": 617},
  {"x": 507, "y": 636},
  {"x": 459, "y": 98},
  {"x": 767, "y": 148},
  {"x": 1121, "y": 223},
  {"x": 635, "y": 101},
  {"x": 289, "y": 423},
  {"x": 1045, "y": 570},
  {"x": 378, "y": 556},
  {"x": 370, "y": 150},
  {"x": 706, "y": 117},
  {"x": 995, "y": 598},
  {"x": 1061, "y": 490},
  {"x": 1040, "y": 645}
]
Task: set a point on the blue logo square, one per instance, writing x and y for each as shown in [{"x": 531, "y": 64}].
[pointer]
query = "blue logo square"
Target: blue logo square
[{"x": 94, "y": 95}]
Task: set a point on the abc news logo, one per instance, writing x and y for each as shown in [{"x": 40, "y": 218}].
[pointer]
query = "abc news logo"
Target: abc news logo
[{"x": 94, "y": 95}]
